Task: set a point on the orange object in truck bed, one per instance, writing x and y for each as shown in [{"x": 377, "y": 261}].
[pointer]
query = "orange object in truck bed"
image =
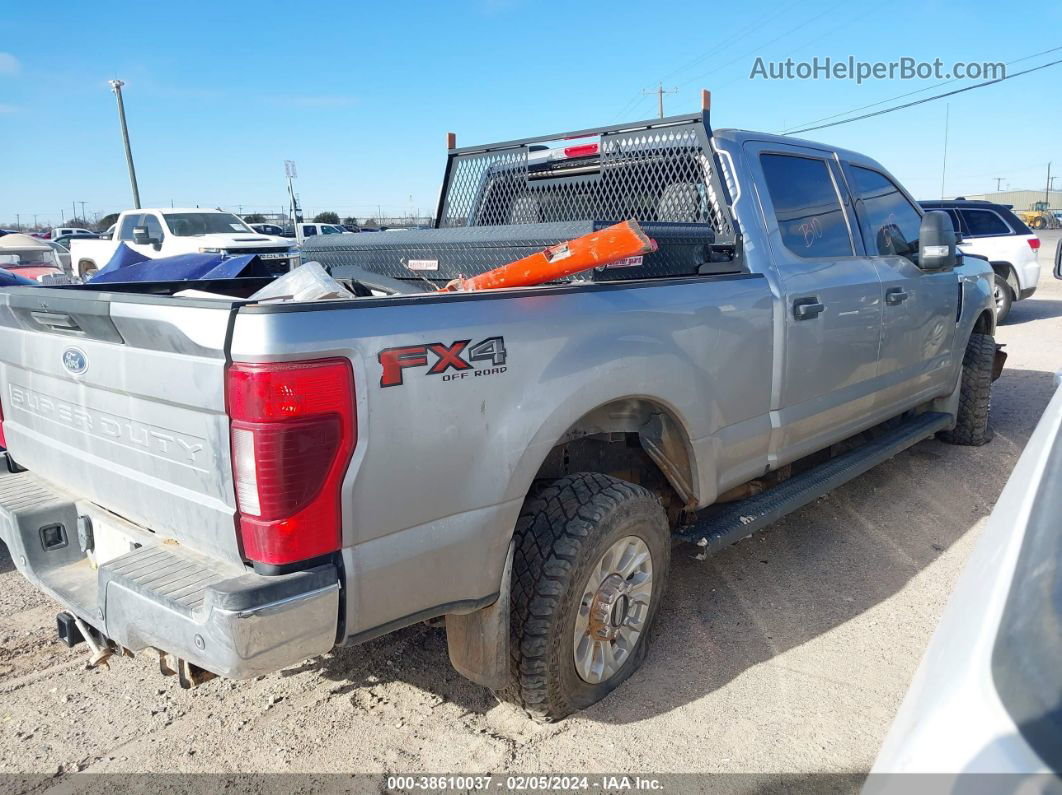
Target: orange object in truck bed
[{"x": 617, "y": 242}]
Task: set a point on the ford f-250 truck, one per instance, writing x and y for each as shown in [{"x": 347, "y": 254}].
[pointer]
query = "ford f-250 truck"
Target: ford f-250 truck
[
  {"x": 244, "y": 485},
  {"x": 171, "y": 231}
]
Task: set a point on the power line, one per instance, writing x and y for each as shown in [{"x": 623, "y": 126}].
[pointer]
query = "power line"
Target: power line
[
  {"x": 789, "y": 32},
  {"x": 927, "y": 99},
  {"x": 921, "y": 90}
]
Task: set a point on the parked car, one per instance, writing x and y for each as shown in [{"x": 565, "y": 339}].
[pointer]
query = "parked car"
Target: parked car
[
  {"x": 261, "y": 481},
  {"x": 166, "y": 232},
  {"x": 351, "y": 227},
  {"x": 62, "y": 253},
  {"x": 268, "y": 229},
  {"x": 303, "y": 231},
  {"x": 987, "y": 696},
  {"x": 71, "y": 231},
  {"x": 994, "y": 232},
  {"x": 32, "y": 259}
]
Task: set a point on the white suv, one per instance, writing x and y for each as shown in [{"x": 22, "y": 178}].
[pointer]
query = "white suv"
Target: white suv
[{"x": 992, "y": 231}]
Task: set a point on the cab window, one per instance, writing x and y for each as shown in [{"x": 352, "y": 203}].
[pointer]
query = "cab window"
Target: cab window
[
  {"x": 806, "y": 206},
  {"x": 125, "y": 231},
  {"x": 154, "y": 228},
  {"x": 888, "y": 219}
]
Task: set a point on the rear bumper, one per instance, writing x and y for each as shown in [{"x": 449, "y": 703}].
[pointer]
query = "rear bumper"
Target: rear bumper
[{"x": 227, "y": 620}]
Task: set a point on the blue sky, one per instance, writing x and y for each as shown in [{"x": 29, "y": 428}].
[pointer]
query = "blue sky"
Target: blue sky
[{"x": 218, "y": 95}]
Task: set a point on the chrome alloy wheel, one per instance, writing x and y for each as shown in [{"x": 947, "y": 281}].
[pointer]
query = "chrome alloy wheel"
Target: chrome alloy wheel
[
  {"x": 997, "y": 295},
  {"x": 613, "y": 609}
]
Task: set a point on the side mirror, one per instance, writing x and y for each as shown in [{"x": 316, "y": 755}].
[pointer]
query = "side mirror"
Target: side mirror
[
  {"x": 1058, "y": 260},
  {"x": 936, "y": 242},
  {"x": 140, "y": 235}
]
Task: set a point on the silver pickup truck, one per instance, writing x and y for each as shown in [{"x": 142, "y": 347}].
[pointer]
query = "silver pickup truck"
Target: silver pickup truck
[{"x": 241, "y": 485}]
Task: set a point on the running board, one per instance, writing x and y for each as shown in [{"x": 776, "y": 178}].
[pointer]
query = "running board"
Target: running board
[{"x": 720, "y": 526}]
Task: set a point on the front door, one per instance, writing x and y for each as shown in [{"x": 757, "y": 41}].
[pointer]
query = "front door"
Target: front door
[
  {"x": 919, "y": 307},
  {"x": 832, "y": 299}
]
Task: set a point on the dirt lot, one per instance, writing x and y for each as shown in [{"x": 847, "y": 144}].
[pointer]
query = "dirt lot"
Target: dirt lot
[{"x": 788, "y": 652}]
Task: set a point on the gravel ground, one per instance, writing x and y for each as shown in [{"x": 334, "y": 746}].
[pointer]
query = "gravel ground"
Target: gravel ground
[{"x": 789, "y": 652}]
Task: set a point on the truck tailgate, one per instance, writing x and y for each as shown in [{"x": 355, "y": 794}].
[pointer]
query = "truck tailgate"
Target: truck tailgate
[{"x": 121, "y": 400}]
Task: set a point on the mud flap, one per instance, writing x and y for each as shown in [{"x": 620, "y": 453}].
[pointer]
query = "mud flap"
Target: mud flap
[
  {"x": 998, "y": 362},
  {"x": 479, "y": 642}
]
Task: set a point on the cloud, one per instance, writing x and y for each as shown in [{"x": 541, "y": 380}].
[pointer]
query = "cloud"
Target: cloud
[{"x": 9, "y": 64}]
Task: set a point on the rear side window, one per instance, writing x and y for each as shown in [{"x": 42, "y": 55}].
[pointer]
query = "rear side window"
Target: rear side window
[
  {"x": 309, "y": 230},
  {"x": 806, "y": 206},
  {"x": 889, "y": 221},
  {"x": 982, "y": 223}
]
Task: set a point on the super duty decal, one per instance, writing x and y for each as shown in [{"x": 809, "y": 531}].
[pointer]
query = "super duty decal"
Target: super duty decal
[{"x": 453, "y": 362}]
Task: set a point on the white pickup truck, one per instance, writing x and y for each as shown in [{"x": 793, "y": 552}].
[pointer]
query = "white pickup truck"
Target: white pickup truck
[{"x": 167, "y": 232}]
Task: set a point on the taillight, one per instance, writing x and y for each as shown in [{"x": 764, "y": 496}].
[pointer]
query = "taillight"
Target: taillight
[
  {"x": 294, "y": 429},
  {"x": 3, "y": 441},
  {"x": 1034, "y": 243}
]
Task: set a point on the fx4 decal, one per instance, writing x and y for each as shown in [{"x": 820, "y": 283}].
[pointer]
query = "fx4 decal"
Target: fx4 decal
[{"x": 453, "y": 362}]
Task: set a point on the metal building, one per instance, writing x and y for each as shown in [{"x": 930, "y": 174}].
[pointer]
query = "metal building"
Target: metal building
[{"x": 1019, "y": 199}]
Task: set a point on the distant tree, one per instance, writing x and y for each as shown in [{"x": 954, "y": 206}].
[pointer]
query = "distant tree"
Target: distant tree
[
  {"x": 350, "y": 220},
  {"x": 327, "y": 217},
  {"x": 78, "y": 222},
  {"x": 106, "y": 221},
  {"x": 254, "y": 218},
  {"x": 370, "y": 222}
]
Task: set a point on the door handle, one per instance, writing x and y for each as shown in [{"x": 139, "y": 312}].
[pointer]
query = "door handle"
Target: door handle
[
  {"x": 807, "y": 308},
  {"x": 895, "y": 295}
]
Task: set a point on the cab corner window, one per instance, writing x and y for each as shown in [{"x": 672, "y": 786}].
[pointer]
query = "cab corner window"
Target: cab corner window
[
  {"x": 889, "y": 221},
  {"x": 806, "y": 206}
]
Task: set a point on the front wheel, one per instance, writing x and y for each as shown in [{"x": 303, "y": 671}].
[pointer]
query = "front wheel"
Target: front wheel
[
  {"x": 589, "y": 568},
  {"x": 975, "y": 393}
]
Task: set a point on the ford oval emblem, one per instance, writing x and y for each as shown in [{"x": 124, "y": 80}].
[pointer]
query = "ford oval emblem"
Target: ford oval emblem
[{"x": 75, "y": 361}]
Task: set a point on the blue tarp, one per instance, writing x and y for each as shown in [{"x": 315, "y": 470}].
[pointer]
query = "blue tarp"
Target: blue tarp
[
  {"x": 130, "y": 266},
  {"x": 7, "y": 279}
]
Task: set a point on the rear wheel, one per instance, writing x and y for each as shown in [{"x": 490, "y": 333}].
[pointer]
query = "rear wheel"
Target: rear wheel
[
  {"x": 86, "y": 269},
  {"x": 975, "y": 393},
  {"x": 1003, "y": 296},
  {"x": 1038, "y": 223},
  {"x": 589, "y": 568}
]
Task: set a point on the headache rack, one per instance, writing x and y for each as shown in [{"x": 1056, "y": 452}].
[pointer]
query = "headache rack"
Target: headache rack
[
  {"x": 505, "y": 201},
  {"x": 660, "y": 170}
]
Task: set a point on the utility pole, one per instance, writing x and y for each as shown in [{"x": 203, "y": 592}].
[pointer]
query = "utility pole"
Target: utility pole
[
  {"x": 83, "y": 218},
  {"x": 35, "y": 220},
  {"x": 18, "y": 222},
  {"x": 944, "y": 167},
  {"x": 293, "y": 206},
  {"x": 999, "y": 181},
  {"x": 659, "y": 91},
  {"x": 116, "y": 87},
  {"x": 73, "y": 215},
  {"x": 1047, "y": 190}
]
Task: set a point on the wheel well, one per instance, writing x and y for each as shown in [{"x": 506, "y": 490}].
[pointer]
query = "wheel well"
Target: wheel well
[
  {"x": 632, "y": 439},
  {"x": 1006, "y": 270},
  {"x": 985, "y": 323}
]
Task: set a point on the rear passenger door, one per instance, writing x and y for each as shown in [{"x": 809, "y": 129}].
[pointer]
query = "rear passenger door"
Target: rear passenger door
[
  {"x": 919, "y": 307},
  {"x": 831, "y": 295}
]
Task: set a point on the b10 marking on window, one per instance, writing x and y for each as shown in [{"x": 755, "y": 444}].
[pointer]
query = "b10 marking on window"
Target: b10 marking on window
[{"x": 457, "y": 361}]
